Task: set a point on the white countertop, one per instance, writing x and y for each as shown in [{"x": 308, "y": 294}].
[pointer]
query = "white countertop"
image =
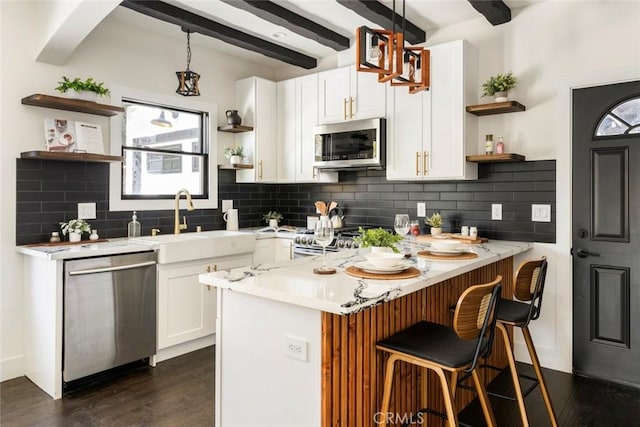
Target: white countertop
[{"x": 294, "y": 281}]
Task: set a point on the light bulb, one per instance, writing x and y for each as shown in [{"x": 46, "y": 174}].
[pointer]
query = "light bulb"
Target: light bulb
[{"x": 374, "y": 51}]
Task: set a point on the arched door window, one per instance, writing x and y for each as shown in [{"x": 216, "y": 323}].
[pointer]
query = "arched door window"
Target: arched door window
[{"x": 622, "y": 119}]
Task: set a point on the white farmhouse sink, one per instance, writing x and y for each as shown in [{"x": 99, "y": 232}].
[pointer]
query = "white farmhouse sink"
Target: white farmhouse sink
[{"x": 193, "y": 246}]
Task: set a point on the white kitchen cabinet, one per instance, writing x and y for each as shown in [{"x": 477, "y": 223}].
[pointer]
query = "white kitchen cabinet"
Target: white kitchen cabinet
[
  {"x": 186, "y": 308},
  {"x": 430, "y": 134},
  {"x": 273, "y": 250},
  {"x": 256, "y": 104},
  {"x": 284, "y": 249},
  {"x": 297, "y": 115},
  {"x": 345, "y": 94}
]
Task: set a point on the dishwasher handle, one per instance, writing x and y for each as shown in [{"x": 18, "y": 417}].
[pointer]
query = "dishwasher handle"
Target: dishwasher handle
[{"x": 114, "y": 268}]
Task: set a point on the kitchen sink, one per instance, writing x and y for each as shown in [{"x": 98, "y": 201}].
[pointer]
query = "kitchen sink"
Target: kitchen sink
[{"x": 193, "y": 246}]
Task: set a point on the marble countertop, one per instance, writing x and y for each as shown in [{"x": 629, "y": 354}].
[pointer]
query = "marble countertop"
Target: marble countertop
[{"x": 294, "y": 281}]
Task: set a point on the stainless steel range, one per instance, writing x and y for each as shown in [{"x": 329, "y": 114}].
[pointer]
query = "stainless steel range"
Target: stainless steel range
[{"x": 304, "y": 243}]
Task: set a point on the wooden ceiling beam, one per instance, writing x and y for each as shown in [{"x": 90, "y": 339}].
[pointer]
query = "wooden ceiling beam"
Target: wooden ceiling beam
[
  {"x": 278, "y": 15},
  {"x": 378, "y": 13},
  {"x": 198, "y": 24},
  {"x": 495, "y": 11}
]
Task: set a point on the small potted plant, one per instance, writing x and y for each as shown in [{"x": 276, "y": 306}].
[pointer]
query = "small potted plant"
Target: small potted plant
[
  {"x": 87, "y": 90},
  {"x": 435, "y": 221},
  {"x": 75, "y": 228},
  {"x": 234, "y": 154},
  {"x": 272, "y": 218},
  {"x": 498, "y": 86},
  {"x": 378, "y": 239}
]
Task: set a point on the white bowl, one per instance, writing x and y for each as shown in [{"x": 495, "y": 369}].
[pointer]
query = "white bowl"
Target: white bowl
[
  {"x": 384, "y": 259},
  {"x": 445, "y": 245}
]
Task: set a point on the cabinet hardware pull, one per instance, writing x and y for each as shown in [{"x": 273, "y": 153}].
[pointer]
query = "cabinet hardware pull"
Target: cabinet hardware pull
[
  {"x": 260, "y": 169},
  {"x": 114, "y": 268},
  {"x": 290, "y": 250},
  {"x": 344, "y": 108},
  {"x": 425, "y": 162},
  {"x": 208, "y": 269},
  {"x": 417, "y": 163},
  {"x": 351, "y": 107},
  {"x": 215, "y": 268}
]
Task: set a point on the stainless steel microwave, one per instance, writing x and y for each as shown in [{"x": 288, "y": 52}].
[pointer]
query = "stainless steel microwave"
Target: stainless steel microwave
[{"x": 354, "y": 144}]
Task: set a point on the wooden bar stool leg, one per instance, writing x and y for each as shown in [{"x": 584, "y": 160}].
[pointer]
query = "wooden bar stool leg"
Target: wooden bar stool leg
[
  {"x": 424, "y": 372},
  {"x": 484, "y": 399},
  {"x": 452, "y": 416},
  {"x": 538, "y": 369},
  {"x": 514, "y": 374},
  {"x": 388, "y": 382}
]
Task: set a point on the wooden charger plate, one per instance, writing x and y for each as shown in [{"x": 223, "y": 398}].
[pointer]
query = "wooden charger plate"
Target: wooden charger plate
[
  {"x": 429, "y": 255},
  {"x": 409, "y": 273}
]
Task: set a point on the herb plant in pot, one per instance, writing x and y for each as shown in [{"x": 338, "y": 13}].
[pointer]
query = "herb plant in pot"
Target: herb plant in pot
[
  {"x": 435, "y": 222},
  {"x": 234, "y": 154},
  {"x": 499, "y": 85},
  {"x": 272, "y": 218},
  {"x": 87, "y": 90},
  {"x": 378, "y": 239},
  {"x": 75, "y": 228}
]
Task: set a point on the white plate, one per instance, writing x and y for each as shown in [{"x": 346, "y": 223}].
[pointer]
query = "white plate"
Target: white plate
[
  {"x": 448, "y": 253},
  {"x": 370, "y": 268}
]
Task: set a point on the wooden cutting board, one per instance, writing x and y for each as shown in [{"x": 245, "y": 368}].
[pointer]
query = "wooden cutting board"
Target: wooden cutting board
[{"x": 463, "y": 239}]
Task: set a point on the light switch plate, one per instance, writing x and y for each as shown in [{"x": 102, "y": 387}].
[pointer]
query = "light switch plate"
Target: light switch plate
[
  {"x": 541, "y": 213},
  {"x": 226, "y": 205},
  {"x": 422, "y": 209},
  {"x": 86, "y": 211},
  {"x": 496, "y": 212}
]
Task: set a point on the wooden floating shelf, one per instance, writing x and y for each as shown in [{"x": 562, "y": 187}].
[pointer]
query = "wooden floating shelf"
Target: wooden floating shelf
[
  {"x": 237, "y": 166},
  {"x": 495, "y": 108},
  {"x": 235, "y": 128},
  {"x": 69, "y": 104},
  {"x": 69, "y": 156},
  {"x": 496, "y": 158}
]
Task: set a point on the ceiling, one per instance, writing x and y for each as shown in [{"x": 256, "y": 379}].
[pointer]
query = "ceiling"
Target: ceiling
[{"x": 428, "y": 15}]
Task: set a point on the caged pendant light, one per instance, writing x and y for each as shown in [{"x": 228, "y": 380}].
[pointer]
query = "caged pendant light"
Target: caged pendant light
[{"x": 187, "y": 79}]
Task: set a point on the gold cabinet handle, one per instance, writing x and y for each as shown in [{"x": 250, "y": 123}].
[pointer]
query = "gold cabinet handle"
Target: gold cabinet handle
[
  {"x": 344, "y": 108},
  {"x": 417, "y": 163},
  {"x": 425, "y": 163},
  {"x": 260, "y": 169},
  {"x": 290, "y": 250},
  {"x": 350, "y": 107},
  {"x": 215, "y": 267},
  {"x": 208, "y": 269}
]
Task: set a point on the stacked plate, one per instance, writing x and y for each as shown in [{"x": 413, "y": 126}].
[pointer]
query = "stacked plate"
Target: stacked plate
[
  {"x": 384, "y": 263},
  {"x": 447, "y": 247}
]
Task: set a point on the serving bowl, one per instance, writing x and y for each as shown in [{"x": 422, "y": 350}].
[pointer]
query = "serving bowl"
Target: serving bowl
[
  {"x": 384, "y": 259},
  {"x": 445, "y": 244}
]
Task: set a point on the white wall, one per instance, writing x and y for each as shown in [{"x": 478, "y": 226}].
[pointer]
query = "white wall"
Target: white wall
[{"x": 114, "y": 53}]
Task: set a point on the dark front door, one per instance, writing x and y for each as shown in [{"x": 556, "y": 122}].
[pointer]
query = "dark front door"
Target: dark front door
[{"x": 606, "y": 232}]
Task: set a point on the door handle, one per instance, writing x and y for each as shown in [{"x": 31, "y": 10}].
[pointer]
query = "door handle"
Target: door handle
[{"x": 583, "y": 253}]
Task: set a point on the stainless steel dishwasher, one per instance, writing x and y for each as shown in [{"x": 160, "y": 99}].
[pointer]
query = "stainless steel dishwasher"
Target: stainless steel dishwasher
[{"x": 109, "y": 313}]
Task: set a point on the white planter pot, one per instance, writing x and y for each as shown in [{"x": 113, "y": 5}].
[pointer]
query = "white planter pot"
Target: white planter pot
[
  {"x": 235, "y": 160},
  {"x": 501, "y": 96},
  {"x": 85, "y": 95},
  {"x": 273, "y": 223},
  {"x": 436, "y": 231},
  {"x": 75, "y": 237}
]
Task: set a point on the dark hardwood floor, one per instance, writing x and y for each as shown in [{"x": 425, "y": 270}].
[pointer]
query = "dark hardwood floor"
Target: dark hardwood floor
[{"x": 180, "y": 392}]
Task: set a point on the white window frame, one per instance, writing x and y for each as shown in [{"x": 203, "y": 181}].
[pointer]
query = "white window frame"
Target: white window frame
[{"x": 116, "y": 203}]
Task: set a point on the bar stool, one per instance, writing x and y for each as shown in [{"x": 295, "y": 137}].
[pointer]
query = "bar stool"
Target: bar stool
[
  {"x": 445, "y": 349},
  {"x": 529, "y": 285}
]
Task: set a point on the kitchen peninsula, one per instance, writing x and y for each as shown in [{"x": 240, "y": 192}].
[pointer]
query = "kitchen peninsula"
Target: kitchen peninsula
[{"x": 295, "y": 348}]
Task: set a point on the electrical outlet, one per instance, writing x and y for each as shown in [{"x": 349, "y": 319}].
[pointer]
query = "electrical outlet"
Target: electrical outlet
[
  {"x": 296, "y": 348},
  {"x": 541, "y": 213},
  {"x": 226, "y": 205},
  {"x": 422, "y": 209},
  {"x": 86, "y": 211},
  {"x": 496, "y": 212}
]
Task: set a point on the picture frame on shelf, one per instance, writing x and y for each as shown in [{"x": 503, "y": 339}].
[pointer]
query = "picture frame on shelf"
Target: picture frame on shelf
[{"x": 63, "y": 135}]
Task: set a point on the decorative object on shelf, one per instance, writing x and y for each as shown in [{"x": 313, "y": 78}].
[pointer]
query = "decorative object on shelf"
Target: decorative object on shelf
[
  {"x": 234, "y": 154},
  {"x": 272, "y": 218},
  {"x": 233, "y": 118},
  {"x": 488, "y": 144},
  {"x": 500, "y": 146},
  {"x": 383, "y": 52},
  {"x": 187, "y": 79},
  {"x": 75, "y": 228},
  {"x": 87, "y": 90},
  {"x": 55, "y": 237},
  {"x": 499, "y": 85},
  {"x": 94, "y": 235},
  {"x": 161, "y": 121},
  {"x": 435, "y": 222},
  {"x": 378, "y": 237},
  {"x": 63, "y": 135}
]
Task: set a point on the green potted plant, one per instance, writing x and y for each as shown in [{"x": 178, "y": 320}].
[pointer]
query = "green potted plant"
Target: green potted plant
[
  {"x": 498, "y": 86},
  {"x": 234, "y": 154},
  {"x": 378, "y": 238},
  {"x": 88, "y": 89},
  {"x": 272, "y": 218},
  {"x": 75, "y": 228},
  {"x": 435, "y": 221}
]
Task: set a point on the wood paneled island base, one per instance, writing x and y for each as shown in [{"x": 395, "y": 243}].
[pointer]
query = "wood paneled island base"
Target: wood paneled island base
[{"x": 353, "y": 370}]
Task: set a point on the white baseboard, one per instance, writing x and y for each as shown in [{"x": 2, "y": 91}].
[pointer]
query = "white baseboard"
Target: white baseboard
[
  {"x": 12, "y": 367},
  {"x": 184, "y": 348}
]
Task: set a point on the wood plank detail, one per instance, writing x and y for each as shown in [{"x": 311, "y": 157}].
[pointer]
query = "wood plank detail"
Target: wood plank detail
[
  {"x": 496, "y": 158},
  {"x": 495, "y": 108},
  {"x": 70, "y": 104},
  {"x": 353, "y": 370}
]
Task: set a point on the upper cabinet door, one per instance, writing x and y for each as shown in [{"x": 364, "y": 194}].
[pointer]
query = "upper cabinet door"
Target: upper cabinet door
[
  {"x": 367, "y": 97},
  {"x": 287, "y": 130},
  {"x": 333, "y": 95},
  {"x": 306, "y": 117}
]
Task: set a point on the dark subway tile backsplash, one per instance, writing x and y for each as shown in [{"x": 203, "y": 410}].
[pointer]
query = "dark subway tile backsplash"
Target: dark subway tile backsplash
[{"x": 48, "y": 192}]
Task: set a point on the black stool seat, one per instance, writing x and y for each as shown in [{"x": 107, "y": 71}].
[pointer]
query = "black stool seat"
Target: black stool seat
[
  {"x": 434, "y": 342},
  {"x": 514, "y": 312}
]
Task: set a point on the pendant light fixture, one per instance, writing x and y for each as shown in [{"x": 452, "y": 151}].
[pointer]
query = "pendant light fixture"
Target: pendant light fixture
[
  {"x": 161, "y": 121},
  {"x": 187, "y": 79}
]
